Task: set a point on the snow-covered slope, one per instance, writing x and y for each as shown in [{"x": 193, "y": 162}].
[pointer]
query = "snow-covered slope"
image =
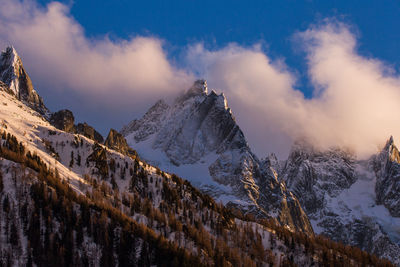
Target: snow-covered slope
[
  {"x": 13, "y": 74},
  {"x": 340, "y": 196},
  {"x": 197, "y": 138},
  {"x": 33, "y": 131}
]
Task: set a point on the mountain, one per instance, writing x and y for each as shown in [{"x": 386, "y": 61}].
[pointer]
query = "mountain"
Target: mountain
[
  {"x": 349, "y": 200},
  {"x": 13, "y": 74},
  {"x": 197, "y": 137},
  {"x": 66, "y": 200}
]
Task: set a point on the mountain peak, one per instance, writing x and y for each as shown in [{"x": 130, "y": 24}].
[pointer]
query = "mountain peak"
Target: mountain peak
[
  {"x": 389, "y": 143},
  {"x": 391, "y": 149},
  {"x": 10, "y": 62},
  {"x": 198, "y": 138},
  {"x": 199, "y": 87},
  {"x": 13, "y": 74},
  {"x": 10, "y": 53}
]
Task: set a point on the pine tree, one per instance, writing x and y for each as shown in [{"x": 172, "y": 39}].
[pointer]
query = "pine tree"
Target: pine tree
[
  {"x": 122, "y": 175},
  {"x": 14, "y": 237},
  {"x": 1, "y": 182},
  {"x": 71, "y": 163},
  {"x": 6, "y": 205},
  {"x": 112, "y": 165},
  {"x": 78, "y": 161},
  {"x": 113, "y": 182},
  {"x": 144, "y": 259}
]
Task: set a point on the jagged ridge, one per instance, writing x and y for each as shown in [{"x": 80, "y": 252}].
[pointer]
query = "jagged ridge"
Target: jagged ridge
[
  {"x": 341, "y": 195},
  {"x": 198, "y": 129}
]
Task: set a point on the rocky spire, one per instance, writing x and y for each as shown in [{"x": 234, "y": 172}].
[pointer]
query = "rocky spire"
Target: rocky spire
[
  {"x": 389, "y": 143},
  {"x": 13, "y": 74},
  {"x": 387, "y": 168}
]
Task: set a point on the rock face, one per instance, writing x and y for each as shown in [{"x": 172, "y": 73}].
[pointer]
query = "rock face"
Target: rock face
[
  {"x": 13, "y": 74},
  {"x": 153, "y": 122},
  {"x": 197, "y": 137},
  {"x": 315, "y": 175},
  {"x": 117, "y": 141},
  {"x": 63, "y": 120},
  {"x": 89, "y": 132},
  {"x": 342, "y": 195},
  {"x": 387, "y": 168}
]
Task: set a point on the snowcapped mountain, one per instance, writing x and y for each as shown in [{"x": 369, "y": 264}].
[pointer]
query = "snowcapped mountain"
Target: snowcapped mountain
[
  {"x": 67, "y": 200},
  {"x": 13, "y": 74},
  {"x": 197, "y": 138},
  {"x": 349, "y": 200}
]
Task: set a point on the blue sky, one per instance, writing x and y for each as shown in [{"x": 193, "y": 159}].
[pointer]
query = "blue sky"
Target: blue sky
[
  {"x": 217, "y": 23},
  {"x": 324, "y": 71}
]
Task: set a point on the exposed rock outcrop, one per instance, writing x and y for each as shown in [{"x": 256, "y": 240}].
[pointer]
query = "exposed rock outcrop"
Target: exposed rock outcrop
[
  {"x": 387, "y": 168},
  {"x": 4, "y": 87},
  {"x": 314, "y": 175},
  {"x": 88, "y": 131},
  {"x": 117, "y": 141},
  {"x": 63, "y": 120}
]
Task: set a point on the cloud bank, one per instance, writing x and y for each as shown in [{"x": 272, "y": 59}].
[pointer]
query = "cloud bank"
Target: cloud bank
[
  {"x": 356, "y": 100},
  {"x": 61, "y": 57}
]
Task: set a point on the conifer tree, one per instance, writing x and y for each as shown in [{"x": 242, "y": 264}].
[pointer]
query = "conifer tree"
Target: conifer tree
[
  {"x": 78, "y": 161},
  {"x": 71, "y": 163},
  {"x": 1, "y": 182}
]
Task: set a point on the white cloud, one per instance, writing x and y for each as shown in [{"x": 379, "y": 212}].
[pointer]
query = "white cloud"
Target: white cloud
[
  {"x": 60, "y": 57},
  {"x": 358, "y": 98},
  {"x": 356, "y": 101}
]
